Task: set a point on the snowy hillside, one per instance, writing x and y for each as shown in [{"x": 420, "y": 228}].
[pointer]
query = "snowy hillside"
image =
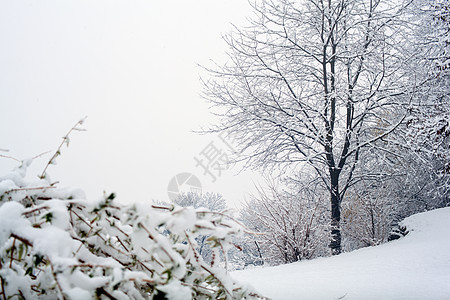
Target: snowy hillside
[{"x": 414, "y": 267}]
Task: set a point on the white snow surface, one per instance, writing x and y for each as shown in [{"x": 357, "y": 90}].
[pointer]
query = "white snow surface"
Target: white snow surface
[{"x": 416, "y": 266}]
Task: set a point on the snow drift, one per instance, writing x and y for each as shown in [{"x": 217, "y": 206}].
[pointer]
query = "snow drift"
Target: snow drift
[{"x": 416, "y": 266}]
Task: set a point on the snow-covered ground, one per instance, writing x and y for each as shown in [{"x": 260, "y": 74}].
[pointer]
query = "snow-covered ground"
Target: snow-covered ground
[{"x": 414, "y": 267}]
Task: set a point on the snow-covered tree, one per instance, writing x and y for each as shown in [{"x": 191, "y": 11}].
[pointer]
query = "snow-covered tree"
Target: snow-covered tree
[
  {"x": 315, "y": 82},
  {"x": 428, "y": 128},
  {"x": 412, "y": 173}
]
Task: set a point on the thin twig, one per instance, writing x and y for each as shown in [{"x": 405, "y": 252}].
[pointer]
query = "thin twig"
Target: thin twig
[
  {"x": 10, "y": 157},
  {"x": 29, "y": 189},
  {"x": 57, "y": 282},
  {"x": 39, "y": 155},
  {"x": 65, "y": 141},
  {"x": 12, "y": 253},
  {"x": 26, "y": 213},
  {"x": 23, "y": 240}
]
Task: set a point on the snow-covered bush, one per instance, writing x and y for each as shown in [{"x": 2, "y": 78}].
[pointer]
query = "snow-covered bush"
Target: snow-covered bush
[
  {"x": 291, "y": 226},
  {"x": 368, "y": 217},
  {"x": 56, "y": 244},
  {"x": 211, "y": 201}
]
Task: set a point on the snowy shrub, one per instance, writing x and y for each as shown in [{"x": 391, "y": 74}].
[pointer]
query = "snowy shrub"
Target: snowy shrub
[
  {"x": 55, "y": 244},
  {"x": 291, "y": 226},
  {"x": 368, "y": 217},
  {"x": 211, "y": 201}
]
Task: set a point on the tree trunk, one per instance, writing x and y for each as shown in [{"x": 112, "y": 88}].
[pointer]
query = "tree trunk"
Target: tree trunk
[
  {"x": 335, "y": 244},
  {"x": 259, "y": 252}
]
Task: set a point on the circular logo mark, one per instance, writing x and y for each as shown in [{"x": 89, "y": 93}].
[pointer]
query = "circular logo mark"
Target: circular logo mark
[{"x": 183, "y": 183}]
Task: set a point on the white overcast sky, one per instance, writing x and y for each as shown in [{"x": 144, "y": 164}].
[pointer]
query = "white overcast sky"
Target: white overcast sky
[{"x": 130, "y": 66}]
